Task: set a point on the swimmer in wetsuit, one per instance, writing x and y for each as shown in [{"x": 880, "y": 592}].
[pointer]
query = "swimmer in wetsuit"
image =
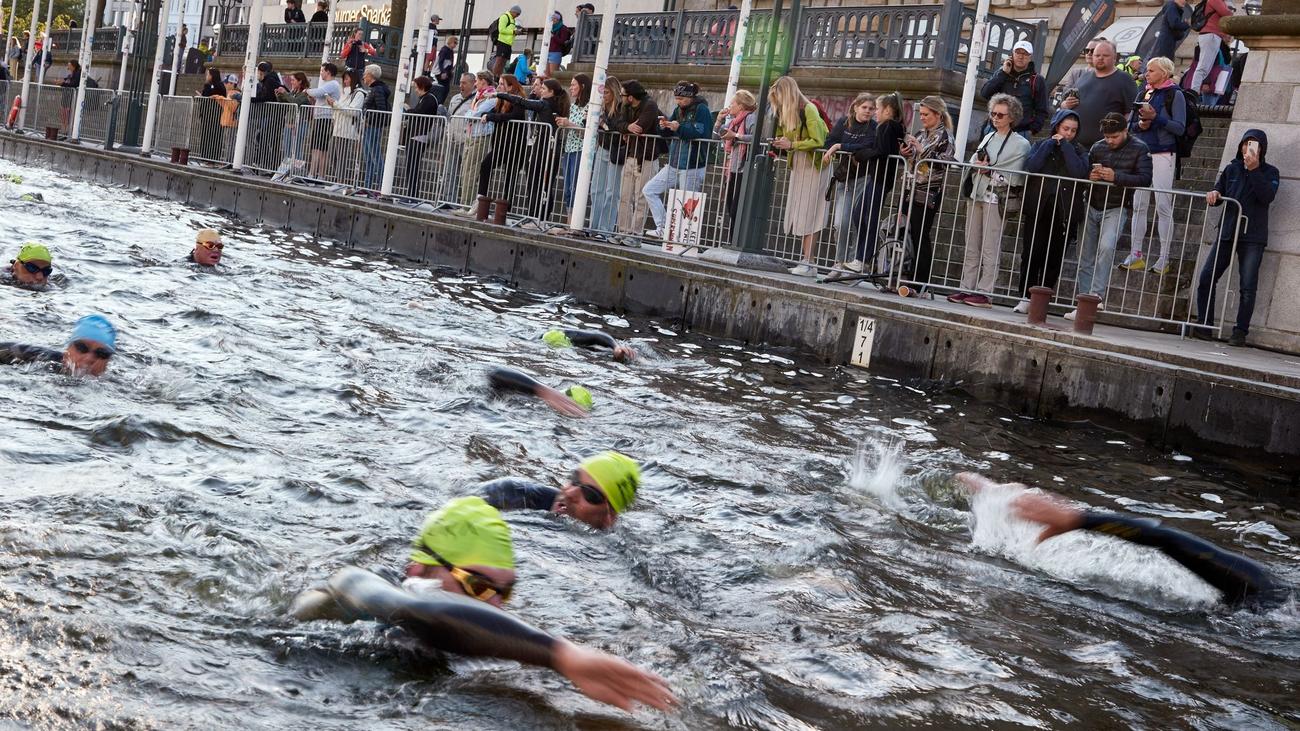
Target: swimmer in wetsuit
[
  {"x": 592, "y": 339},
  {"x": 92, "y": 345},
  {"x": 33, "y": 268},
  {"x": 1242, "y": 581},
  {"x": 460, "y": 573},
  {"x": 207, "y": 248},
  {"x": 596, "y": 493},
  {"x": 573, "y": 401}
]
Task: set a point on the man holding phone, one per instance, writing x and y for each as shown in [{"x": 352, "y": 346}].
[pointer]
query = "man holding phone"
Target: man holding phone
[
  {"x": 1019, "y": 78},
  {"x": 1253, "y": 183},
  {"x": 1105, "y": 91}
]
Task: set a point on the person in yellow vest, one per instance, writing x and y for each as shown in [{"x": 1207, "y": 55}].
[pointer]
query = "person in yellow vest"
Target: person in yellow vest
[{"x": 503, "y": 38}]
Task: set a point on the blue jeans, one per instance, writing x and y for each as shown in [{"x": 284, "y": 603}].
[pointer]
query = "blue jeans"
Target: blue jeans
[
  {"x": 372, "y": 142},
  {"x": 1097, "y": 250},
  {"x": 606, "y": 184},
  {"x": 571, "y": 160},
  {"x": 849, "y": 197},
  {"x": 666, "y": 178},
  {"x": 1249, "y": 256}
]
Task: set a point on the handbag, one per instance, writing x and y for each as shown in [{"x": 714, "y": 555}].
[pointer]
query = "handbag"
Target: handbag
[{"x": 1009, "y": 197}]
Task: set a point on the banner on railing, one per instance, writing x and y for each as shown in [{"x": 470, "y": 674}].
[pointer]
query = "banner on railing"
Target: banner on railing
[{"x": 685, "y": 221}]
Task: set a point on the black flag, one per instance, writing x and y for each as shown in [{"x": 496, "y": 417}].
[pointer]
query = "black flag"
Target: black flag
[
  {"x": 1146, "y": 47},
  {"x": 1084, "y": 21}
]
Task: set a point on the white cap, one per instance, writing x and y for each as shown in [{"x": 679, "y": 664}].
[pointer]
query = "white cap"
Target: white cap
[{"x": 1025, "y": 46}]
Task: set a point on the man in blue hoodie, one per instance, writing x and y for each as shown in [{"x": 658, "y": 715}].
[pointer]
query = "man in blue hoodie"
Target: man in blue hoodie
[
  {"x": 1252, "y": 182},
  {"x": 691, "y": 121}
]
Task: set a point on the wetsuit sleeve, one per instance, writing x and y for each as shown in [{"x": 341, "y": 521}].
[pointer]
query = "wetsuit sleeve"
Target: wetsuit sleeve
[
  {"x": 509, "y": 380},
  {"x": 591, "y": 339},
  {"x": 444, "y": 621},
  {"x": 509, "y": 493},
  {"x": 14, "y": 353},
  {"x": 1239, "y": 578}
]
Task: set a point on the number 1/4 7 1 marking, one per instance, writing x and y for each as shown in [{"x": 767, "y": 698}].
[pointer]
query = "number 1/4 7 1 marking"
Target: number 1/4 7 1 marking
[{"x": 863, "y": 339}]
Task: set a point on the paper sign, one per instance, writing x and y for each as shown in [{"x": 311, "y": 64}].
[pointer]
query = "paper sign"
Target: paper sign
[
  {"x": 685, "y": 220},
  {"x": 863, "y": 340}
]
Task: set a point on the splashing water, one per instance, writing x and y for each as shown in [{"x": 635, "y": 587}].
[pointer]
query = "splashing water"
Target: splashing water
[{"x": 877, "y": 470}]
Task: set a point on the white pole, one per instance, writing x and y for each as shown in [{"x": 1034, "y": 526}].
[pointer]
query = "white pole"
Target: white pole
[
  {"x": 83, "y": 57},
  {"x": 975, "y": 53},
  {"x": 151, "y": 112},
  {"x": 49, "y": 42},
  {"x": 250, "y": 80},
  {"x": 401, "y": 90},
  {"x": 128, "y": 43},
  {"x": 13, "y": 10},
  {"x": 738, "y": 50},
  {"x": 176, "y": 47},
  {"x": 544, "y": 63},
  {"x": 329, "y": 32},
  {"x": 27, "y": 72},
  {"x": 578, "y": 215}
]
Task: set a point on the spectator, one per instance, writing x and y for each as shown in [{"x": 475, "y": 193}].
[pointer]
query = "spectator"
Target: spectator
[
  {"x": 209, "y": 116},
  {"x": 267, "y": 82},
  {"x": 854, "y": 131},
  {"x": 560, "y": 45},
  {"x": 575, "y": 127},
  {"x": 68, "y": 96},
  {"x": 1253, "y": 183},
  {"x": 1076, "y": 73},
  {"x": 1123, "y": 161},
  {"x": 418, "y": 132},
  {"x": 464, "y": 95},
  {"x": 322, "y": 125},
  {"x": 1158, "y": 121},
  {"x": 641, "y": 123},
  {"x": 15, "y": 58},
  {"x": 502, "y": 34},
  {"x": 508, "y": 146},
  {"x": 736, "y": 130},
  {"x": 430, "y": 42},
  {"x": 550, "y": 104},
  {"x": 878, "y": 159},
  {"x": 1020, "y": 79},
  {"x": 376, "y": 111},
  {"x": 322, "y": 13},
  {"x": 522, "y": 68},
  {"x": 994, "y": 189},
  {"x": 607, "y": 176},
  {"x": 934, "y": 144},
  {"x": 443, "y": 69},
  {"x": 800, "y": 132},
  {"x": 1052, "y": 209},
  {"x": 689, "y": 122},
  {"x": 478, "y": 135},
  {"x": 230, "y": 115},
  {"x": 296, "y": 122},
  {"x": 1104, "y": 92},
  {"x": 345, "y": 148},
  {"x": 584, "y": 9},
  {"x": 1210, "y": 37},
  {"x": 356, "y": 52},
  {"x": 293, "y": 12}
]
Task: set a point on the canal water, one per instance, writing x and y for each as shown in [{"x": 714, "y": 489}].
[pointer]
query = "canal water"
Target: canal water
[{"x": 797, "y": 559}]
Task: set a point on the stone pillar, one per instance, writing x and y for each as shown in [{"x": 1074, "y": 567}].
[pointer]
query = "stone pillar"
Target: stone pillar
[{"x": 1269, "y": 99}]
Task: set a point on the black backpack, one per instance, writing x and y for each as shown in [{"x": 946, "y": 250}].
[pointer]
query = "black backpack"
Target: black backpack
[
  {"x": 1192, "y": 129},
  {"x": 1199, "y": 18}
]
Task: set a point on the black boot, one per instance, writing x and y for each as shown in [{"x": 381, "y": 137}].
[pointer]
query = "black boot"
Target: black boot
[{"x": 1237, "y": 339}]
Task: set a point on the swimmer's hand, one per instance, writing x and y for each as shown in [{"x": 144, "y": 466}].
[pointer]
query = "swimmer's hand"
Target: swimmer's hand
[
  {"x": 1056, "y": 514},
  {"x": 609, "y": 679},
  {"x": 624, "y": 354},
  {"x": 561, "y": 403},
  {"x": 973, "y": 482}
]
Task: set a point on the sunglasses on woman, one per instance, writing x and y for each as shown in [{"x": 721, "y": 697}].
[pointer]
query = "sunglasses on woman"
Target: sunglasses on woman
[
  {"x": 590, "y": 493},
  {"x": 997, "y": 115},
  {"x": 475, "y": 584},
  {"x": 210, "y": 245},
  {"x": 101, "y": 353},
  {"x": 38, "y": 269}
]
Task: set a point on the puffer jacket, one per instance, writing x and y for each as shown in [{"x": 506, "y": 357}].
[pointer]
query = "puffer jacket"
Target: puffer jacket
[{"x": 1132, "y": 165}]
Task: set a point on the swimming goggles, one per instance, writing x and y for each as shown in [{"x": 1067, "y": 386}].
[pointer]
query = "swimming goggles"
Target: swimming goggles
[
  {"x": 210, "y": 245},
  {"x": 475, "y": 584},
  {"x": 101, "y": 353},
  {"x": 590, "y": 493},
  {"x": 37, "y": 269}
]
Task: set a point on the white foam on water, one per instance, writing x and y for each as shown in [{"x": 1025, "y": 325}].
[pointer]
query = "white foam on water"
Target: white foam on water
[{"x": 876, "y": 471}]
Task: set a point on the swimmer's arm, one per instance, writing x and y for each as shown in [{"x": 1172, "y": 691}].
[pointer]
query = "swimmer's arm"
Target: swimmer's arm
[
  {"x": 598, "y": 339},
  {"x": 14, "y": 353},
  {"x": 1239, "y": 578},
  {"x": 512, "y": 381},
  {"x": 509, "y": 493}
]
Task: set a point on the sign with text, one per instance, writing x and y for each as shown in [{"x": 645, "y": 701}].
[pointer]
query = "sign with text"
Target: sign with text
[
  {"x": 685, "y": 221},
  {"x": 863, "y": 340}
]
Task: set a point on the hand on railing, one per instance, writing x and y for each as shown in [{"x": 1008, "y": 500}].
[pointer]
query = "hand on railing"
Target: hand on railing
[
  {"x": 1212, "y": 198},
  {"x": 830, "y": 153}
]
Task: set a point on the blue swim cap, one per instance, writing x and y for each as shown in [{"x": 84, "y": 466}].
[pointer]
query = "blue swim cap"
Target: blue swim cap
[{"x": 96, "y": 328}]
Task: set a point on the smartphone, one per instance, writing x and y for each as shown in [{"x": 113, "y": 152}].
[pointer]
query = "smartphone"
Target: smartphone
[{"x": 1253, "y": 146}]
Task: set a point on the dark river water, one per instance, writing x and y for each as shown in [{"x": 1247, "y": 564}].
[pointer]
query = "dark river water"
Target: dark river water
[{"x": 797, "y": 559}]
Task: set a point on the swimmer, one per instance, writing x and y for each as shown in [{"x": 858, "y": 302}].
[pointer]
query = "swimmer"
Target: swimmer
[
  {"x": 460, "y": 573},
  {"x": 92, "y": 345},
  {"x": 591, "y": 339},
  {"x": 32, "y": 269},
  {"x": 1242, "y": 581},
  {"x": 207, "y": 248},
  {"x": 574, "y": 401},
  {"x": 601, "y": 488}
]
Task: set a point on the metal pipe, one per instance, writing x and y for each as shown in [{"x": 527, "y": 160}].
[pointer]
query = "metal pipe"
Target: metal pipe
[
  {"x": 250, "y": 81},
  {"x": 27, "y": 72},
  {"x": 13, "y": 10},
  {"x": 410, "y": 39},
  {"x": 974, "y": 52},
  {"x": 462, "y": 48},
  {"x": 83, "y": 57},
  {"x": 329, "y": 33},
  {"x": 587, "y": 163},
  {"x": 757, "y": 183},
  {"x": 155, "y": 79}
]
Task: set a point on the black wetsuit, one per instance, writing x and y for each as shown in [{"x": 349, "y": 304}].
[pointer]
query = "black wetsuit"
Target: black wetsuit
[
  {"x": 510, "y": 493},
  {"x": 1241, "y": 580},
  {"x": 590, "y": 339},
  {"x": 443, "y": 621},
  {"x": 17, "y": 353},
  {"x": 508, "y": 380}
]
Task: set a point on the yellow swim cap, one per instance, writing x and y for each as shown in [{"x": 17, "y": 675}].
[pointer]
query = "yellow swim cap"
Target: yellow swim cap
[
  {"x": 465, "y": 532},
  {"x": 557, "y": 339},
  {"x": 580, "y": 396},
  {"x": 33, "y": 251},
  {"x": 617, "y": 474}
]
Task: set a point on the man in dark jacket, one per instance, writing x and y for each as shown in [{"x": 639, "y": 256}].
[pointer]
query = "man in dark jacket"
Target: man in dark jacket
[
  {"x": 1051, "y": 209},
  {"x": 1173, "y": 29},
  {"x": 1123, "y": 161},
  {"x": 1019, "y": 79},
  {"x": 267, "y": 82},
  {"x": 691, "y": 121},
  {"x": 293, "y": 12},
  {"x": 641, "y": 126},
  {"x": 1253, "y": 183},
  {"x": 375, "y": 113}
]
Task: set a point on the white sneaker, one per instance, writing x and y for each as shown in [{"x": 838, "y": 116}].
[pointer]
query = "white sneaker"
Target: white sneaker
[
  {"x": 1161, "y": 266},
  {"x": 654, "y": 233},
  {"x": 1134, "y": 262},
  {"x": 1070, "y": 315},
  {"x": 839, "y": 266},
  {"x": 854, "y": 266},
  {"x": 804, "y": 269},
  {"x": 1021, "y": 307}
]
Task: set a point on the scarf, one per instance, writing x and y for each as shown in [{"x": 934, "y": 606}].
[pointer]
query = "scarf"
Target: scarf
[{"x": 735, "y": 126}]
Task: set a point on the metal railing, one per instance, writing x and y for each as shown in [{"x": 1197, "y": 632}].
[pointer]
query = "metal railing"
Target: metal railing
[
  {"x": 909, "y": 36},
  {"x": 304, "y": 40}
]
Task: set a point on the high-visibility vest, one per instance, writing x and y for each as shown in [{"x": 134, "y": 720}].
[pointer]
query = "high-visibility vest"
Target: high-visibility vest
[{"x": 506, "y": 29}]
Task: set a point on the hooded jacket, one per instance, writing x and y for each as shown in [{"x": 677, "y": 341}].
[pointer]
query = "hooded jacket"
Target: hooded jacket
[
  {"x": 1062, "y": 159},
  {"x": 1026, "y": 86},
  {"x": 1254, "y": 189},
  {"x": 696, "y": 124}
]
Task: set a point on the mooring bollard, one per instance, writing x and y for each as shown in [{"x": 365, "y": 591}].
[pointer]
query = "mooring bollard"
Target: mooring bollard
[
  {"x": 501, "y": 211},
  {"x": 1038, "y": 299},
  {"x": 1085, "y": 313},
  {"x": 484, "y": 208}
]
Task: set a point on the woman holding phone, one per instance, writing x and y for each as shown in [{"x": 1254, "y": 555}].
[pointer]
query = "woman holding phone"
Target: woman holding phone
[{"x": 1158, "y": 119}]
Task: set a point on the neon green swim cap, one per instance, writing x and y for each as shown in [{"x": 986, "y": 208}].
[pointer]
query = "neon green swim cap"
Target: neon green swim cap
[
  {"x": 14, "y": 178},
  {"x": 466, "y": 532},
  {"x": 617, "y": 474},
  {"x": 33, "y": 251},
  {"x": 557, "y": 339},
  {"x": 581, "y": 396}
]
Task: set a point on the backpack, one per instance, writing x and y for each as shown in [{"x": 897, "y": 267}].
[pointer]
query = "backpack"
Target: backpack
[
  {"x": 1199, "y": 17},
  {"x": 826, "y": 118},
  {"x": 1193, "y": 129},
  {"x": 566, "y": 42}
]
